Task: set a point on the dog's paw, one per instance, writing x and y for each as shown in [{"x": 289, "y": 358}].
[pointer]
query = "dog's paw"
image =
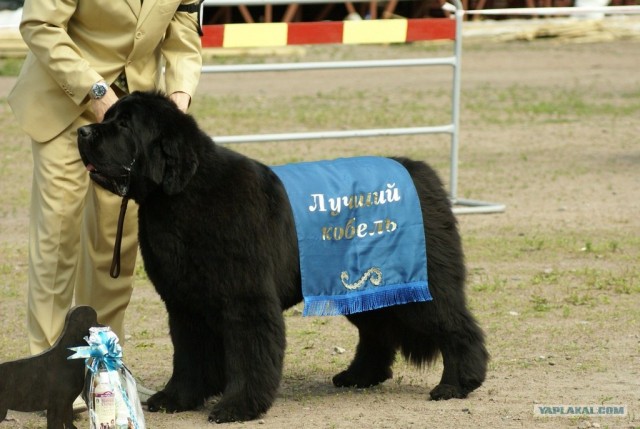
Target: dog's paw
[
  {"x": 350, "y": 378},
  {"x": 160, "y": 402},
  {"x": 229, "y": 413},
  {"x": 163, "y": 401},
  {"x": 442, "y": 392}
]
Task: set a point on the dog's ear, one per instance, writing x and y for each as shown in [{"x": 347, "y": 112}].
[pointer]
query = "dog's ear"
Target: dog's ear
[{"x": 180, "y": 164}]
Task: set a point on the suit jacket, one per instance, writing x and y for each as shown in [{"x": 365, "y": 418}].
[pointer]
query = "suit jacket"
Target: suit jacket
[{"x": 74, "y": 44}]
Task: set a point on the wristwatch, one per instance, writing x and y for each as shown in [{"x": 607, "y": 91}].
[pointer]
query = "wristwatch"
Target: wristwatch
[{"x": 98, "y": 90}]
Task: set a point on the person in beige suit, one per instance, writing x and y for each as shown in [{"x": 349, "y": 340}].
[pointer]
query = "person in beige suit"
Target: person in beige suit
[{"x": 82, "y": 57}]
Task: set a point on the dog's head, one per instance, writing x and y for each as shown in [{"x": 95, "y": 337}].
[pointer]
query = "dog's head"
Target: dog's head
[{"x": 144, "y": 144}]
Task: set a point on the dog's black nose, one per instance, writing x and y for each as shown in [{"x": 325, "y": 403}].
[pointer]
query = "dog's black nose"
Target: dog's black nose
[{"x": 84, "y": 132}]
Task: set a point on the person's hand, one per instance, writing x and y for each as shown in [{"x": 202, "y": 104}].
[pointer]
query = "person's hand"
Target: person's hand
[
  {"x": 101, "y": 105},
  {"x": 181, "y": 99}
]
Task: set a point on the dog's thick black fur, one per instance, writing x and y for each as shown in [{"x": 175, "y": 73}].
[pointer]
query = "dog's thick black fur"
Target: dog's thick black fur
[{"x": 219, "y": 244}]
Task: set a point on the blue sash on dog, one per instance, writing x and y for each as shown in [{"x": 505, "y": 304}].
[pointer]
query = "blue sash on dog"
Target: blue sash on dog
[{"x": 360, "y": 234}]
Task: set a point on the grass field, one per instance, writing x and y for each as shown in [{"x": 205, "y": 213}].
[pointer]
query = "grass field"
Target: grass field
[{"x": 550, "y": 130}]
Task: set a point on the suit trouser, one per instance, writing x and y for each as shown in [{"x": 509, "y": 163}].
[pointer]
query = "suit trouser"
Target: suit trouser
[{"x": 72, "y": 232}]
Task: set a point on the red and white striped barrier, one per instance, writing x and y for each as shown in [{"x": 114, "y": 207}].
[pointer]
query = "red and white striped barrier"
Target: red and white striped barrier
[{"x": 340, "y": 32}]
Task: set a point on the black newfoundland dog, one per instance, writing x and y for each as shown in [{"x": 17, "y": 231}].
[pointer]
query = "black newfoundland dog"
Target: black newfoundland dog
[{"x": 219, "y": 244}]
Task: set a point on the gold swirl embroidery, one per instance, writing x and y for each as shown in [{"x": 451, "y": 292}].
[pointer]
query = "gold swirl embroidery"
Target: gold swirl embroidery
[{"x": 373, "y": 274}]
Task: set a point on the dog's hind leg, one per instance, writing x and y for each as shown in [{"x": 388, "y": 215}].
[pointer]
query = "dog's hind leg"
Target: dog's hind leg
[
  {"x": 375, "y": 352},
  {"x": 457, "y": 337},
  {"x": 465, "y": 360}
]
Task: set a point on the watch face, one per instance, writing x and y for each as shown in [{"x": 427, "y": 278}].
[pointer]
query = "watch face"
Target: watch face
[{"x": 99, "y": 90}]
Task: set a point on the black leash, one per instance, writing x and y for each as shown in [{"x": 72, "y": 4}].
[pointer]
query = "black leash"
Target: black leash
[{"x": 115, "y": 263}]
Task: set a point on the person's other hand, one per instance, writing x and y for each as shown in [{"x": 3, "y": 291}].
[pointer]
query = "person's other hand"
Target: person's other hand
[
  {"x": 181, "y": 99},
  {"x": 101, "y": 105}
]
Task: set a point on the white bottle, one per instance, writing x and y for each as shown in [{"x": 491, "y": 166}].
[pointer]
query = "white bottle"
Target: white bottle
[
  {"x": 122, "y": 410},
  {"x": 104, "y": 402}
]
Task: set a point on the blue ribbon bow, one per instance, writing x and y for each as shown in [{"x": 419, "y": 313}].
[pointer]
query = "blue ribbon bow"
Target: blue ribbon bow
[{"x": 103, "y": 349}]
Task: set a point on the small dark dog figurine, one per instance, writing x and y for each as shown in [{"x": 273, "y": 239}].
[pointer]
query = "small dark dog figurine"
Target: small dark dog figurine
[{"x": 48, "y": 381}]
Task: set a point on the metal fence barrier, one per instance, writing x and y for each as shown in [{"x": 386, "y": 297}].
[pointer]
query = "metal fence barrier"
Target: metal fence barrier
[{"x": 460, "y": 205}]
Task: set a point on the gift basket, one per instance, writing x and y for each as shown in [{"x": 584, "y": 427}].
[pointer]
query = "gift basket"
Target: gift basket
[{"x": 110, "y": 389}]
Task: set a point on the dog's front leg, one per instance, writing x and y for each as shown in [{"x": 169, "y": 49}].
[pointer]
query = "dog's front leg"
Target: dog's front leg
[
  {"x": 187, "y": 389},
  {"x": 254, "y": 348}
]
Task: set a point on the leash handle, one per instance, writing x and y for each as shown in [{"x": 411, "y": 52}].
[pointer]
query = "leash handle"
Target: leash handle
[{"x": 115, "y": 262}]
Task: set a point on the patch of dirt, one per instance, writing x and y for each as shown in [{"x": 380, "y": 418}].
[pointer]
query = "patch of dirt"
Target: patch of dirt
[{"x": 553, "y": 280}]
